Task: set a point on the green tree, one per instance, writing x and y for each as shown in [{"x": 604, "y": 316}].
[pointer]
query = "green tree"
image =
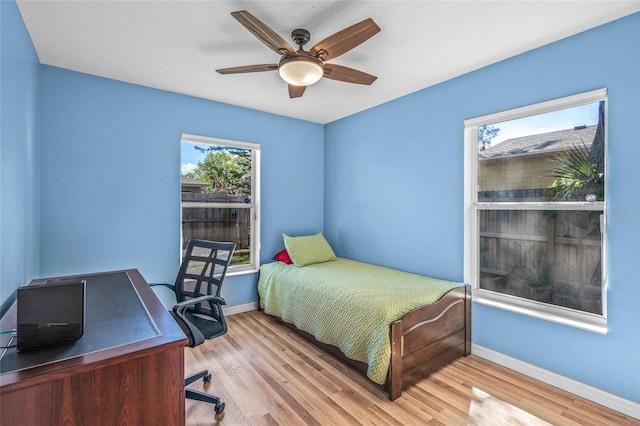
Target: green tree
[
  {"x": 224, "y": 169},
  {"x": 485, "y": 135},
  {"x": 580, "y": 171},
  {"x": 576, "y": 175}
]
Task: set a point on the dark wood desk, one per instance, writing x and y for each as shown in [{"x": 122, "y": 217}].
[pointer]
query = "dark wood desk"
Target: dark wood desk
[{"x": 139, "y": 383}]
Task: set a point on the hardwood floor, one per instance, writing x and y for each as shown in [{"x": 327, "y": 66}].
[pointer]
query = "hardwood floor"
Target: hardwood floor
[{"x": 267, "y": 375}]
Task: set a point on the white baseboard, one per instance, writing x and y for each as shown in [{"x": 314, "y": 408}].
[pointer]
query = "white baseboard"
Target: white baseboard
[
  {"x": 236, "y": 309},
  {"x": 596, "y": 395}
]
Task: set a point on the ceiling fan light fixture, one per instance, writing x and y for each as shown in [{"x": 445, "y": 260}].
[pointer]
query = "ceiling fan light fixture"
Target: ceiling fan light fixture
[{"x": 301, "y": 70}]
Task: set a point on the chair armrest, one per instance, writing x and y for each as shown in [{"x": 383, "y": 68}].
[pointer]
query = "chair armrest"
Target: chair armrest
[
  {"x": 192, "y": 332},
  {"x": 215, "y": 299},
  {"x": 171, "y": 286},
  {"x": 197, "y": 338}
]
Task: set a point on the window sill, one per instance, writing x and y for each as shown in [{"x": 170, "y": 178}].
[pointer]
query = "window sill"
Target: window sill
[
  {"x": 544, "y": 311},
  {"x": 241, "y": 271}
]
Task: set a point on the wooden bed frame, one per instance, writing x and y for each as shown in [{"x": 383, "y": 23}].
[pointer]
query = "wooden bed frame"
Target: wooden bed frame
[{"x": 423, "y": 341}]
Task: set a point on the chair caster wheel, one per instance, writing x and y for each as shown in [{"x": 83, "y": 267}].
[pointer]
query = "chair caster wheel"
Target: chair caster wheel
[
  {"x": 220, "y": 408},
  {"x": 207, "y": 378}
]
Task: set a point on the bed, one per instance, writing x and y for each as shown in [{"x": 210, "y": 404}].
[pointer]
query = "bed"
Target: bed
[{"x": 395, "y": 327}]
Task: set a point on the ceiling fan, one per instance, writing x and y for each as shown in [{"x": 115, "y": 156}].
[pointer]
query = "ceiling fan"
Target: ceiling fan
[{"x": 303, "y": 68}]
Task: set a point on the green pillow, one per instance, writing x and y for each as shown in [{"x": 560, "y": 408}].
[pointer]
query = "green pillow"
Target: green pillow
[{"x": 308, "y": 249}]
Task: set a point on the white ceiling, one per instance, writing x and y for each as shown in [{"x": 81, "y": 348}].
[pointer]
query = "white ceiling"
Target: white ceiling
[{"x": 177, "y": 45}]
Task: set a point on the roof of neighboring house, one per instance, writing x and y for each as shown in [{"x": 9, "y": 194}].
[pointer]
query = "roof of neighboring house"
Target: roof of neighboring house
[
  {"x": 560, "y": 140},
  {"x": 187, "y": 181}
]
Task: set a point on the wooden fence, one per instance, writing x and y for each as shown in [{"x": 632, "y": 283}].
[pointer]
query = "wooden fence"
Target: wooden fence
[
  {"x": 216, "y": 224},
  {"x": 550, "y": 256}
]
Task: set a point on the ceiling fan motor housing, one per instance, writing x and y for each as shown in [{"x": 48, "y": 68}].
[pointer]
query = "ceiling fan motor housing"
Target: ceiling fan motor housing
[{"x": 300, "y": 36}]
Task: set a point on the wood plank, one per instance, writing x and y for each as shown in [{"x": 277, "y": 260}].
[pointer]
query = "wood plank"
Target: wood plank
[{"x": 268, "y": 375}]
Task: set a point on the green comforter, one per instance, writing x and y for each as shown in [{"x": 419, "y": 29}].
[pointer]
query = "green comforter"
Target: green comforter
[{"x": 347, "y": 304}]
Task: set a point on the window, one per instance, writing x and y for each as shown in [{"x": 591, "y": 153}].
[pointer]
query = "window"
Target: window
[
  {"x": 220, "y": 194},
  {"x": 535, "y": 210}
]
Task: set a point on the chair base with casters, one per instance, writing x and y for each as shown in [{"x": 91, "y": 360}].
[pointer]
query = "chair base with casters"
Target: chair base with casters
[
  {"x": 201, "y": 396},
  {"x": 195, "y": 303}
]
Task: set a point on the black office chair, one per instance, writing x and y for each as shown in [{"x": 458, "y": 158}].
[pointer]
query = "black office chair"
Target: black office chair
[{"x": 194, "y": 301}]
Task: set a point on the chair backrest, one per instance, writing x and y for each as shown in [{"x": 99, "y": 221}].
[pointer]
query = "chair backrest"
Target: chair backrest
[{"x": 202, "y": 272}]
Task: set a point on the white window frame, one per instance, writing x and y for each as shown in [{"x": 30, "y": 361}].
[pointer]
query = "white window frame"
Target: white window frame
[
  {"x": 254, "y": 205},
  {"x": 562, "y": 315}
]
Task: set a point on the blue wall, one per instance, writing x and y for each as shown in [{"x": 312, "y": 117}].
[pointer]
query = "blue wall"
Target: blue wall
[
  {"x": 111, "y": 175},
  {"x": 390, "y": 180},
  {"x": 394, "y": 193},
  {"x": 19, "y": 155}
]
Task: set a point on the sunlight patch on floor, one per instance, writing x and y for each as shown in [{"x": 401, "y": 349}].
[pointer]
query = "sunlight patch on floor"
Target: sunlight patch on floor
[{"x": 489, "y": 410}]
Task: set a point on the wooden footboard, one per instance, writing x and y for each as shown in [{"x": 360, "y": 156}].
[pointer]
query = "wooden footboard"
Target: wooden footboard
[
  {"x": 428, "y": 338},
  {"x": 423, "y": 341}
]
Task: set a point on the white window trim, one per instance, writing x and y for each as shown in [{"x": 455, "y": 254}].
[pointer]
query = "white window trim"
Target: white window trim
[
  {"x": 574, "y": 318},
  {"x": 254, "y": 255}
]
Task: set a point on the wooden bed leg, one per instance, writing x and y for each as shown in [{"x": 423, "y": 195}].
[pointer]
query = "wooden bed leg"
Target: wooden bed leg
[
  {"x": 395, "y": 364},
  {"x": 467, "y": 318}
]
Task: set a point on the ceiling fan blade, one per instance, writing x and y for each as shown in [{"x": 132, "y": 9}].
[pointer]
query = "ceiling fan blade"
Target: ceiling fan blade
[
  {"x": 263, "y": 33},
  {"x": 349, "y": 75},
  {"x": 345, "y": 40},
  {"x": 296, "y": 91},
  {"x": 248, "y": 68}
]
